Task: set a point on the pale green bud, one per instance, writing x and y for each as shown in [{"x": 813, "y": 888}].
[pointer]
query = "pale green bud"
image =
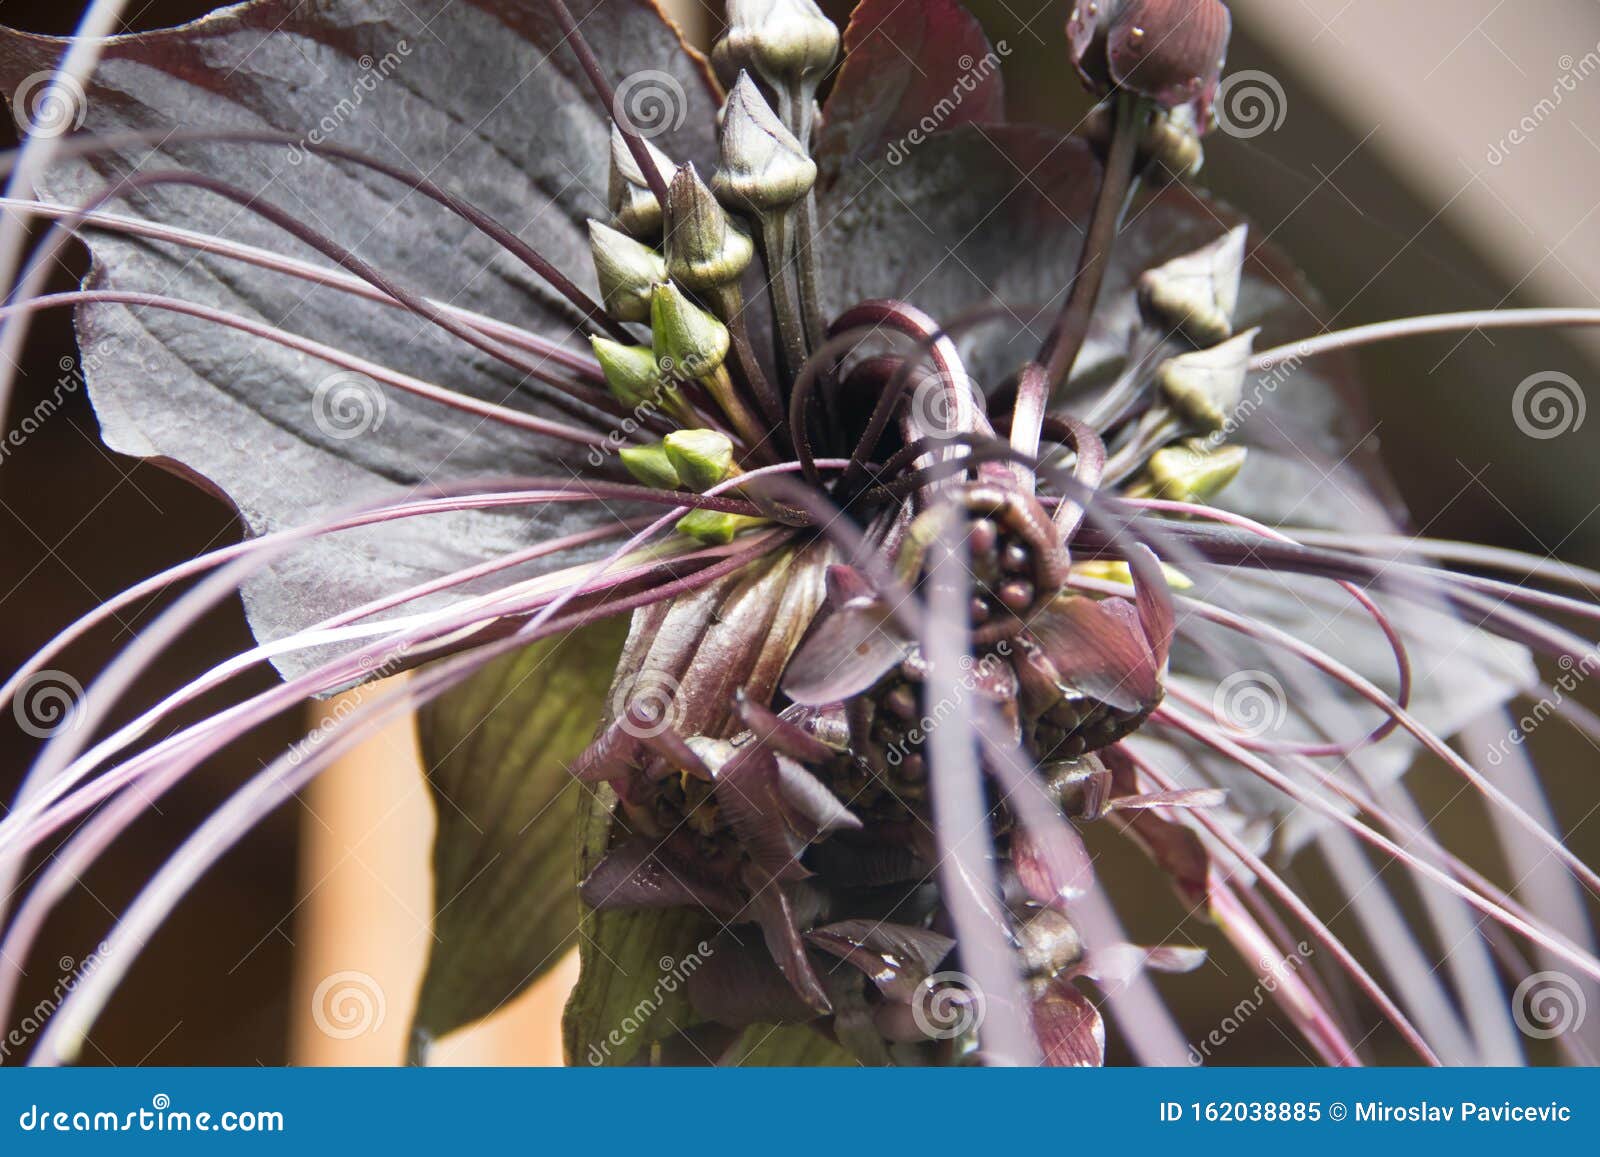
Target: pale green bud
[
  {"x": 1197, "y": 293},
  {"x": 650, "y": 465},
  {"x": 781, "y": 41},
  {"x": 763, "y": 166},
  {"x": 631, "y": 370},
  {"x": 702, "y": 458},
  {"x": 705, "y": 249},
  {"x": 627, "y": 271},
  {"x": 689, "y": 342},
  {"x": 714, "y": 527},
  {"x": 1190, "y": 471},
  {"x": 634, "y": 207},
  {"x": 1206, "y": 387}
]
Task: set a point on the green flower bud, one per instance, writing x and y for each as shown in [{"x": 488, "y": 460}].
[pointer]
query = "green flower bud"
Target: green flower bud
[
  {"x": 631, "y": 370},
  {"x": 781, "y": 41},
  {"x": 633, "y": 206},
  {"x": 763, "y": 166},
  {"x": 1205, "y": 387},
  {"x": 689, "y": 342},
  {"x": 1190, "y": 471},
  {"x": 627, "y": 270},
  {"x": 713, "y": 527},
  {"x": 705, "y": 249},
  {"x": 650, "y": 465},
  {"x": 1198, "y": 292},
  {"x": 701, "y": 458}
]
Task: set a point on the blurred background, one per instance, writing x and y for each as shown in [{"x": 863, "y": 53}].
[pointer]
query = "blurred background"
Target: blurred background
[{"x": 1420, "y": 157}]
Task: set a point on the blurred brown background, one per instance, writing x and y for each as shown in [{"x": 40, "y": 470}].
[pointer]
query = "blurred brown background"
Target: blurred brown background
[{"x": 1378, "y": 179}]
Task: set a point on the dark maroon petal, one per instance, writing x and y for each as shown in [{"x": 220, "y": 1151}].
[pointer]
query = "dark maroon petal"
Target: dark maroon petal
[
  {"x": 1154, "y": 599},
  {"x": 1171, "y": 51},
  {"x": 609, "y": 757},
  {"x": 909, "y": 70},
  {"x": 782, "y": 735},
  {"x": 637, "y": 873},
  {"x": 845, "y": 654},
  {"x": 1174, "y": 848},
  {"x": 1069, "y": 1027},
  {"x": 739, "y": 984},
  {"x": 1100, "y": 649},
  {"x": 811, "y": 809},
  {"x": 1054, "y": 866},
  {"x": 749, "y": 797},
  {"x": 775, "y": 912},
  {"x": 895, "y": 957}
]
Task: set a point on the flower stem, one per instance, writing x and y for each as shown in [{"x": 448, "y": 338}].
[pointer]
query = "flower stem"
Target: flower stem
[
  {"x": 1418, "y": 326},
  {"x": 1072, "y": 326},
  {"x": 777, "y": 230},
  {"x": 720, "y": 386}
]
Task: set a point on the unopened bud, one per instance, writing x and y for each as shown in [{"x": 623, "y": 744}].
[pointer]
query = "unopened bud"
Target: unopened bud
[
  {"x": 1205, "y": 387},
  {"x": 705, "y": 249},
  {"x": 1198, "y": 292},
  {"x": 1190, "y": 471},
  {"x": 630, "y": 370},
  {"x": 1169, "y": 51},
  {"x": 781, "y": 41},
  {"x": 689, "y": 342},
  {"x": 715, "y": 527},
  {"x": 763, "y": 166},
  {"x": 701, "y": 458},
  {"x": 627, "y": 271},
  {"x": 634, "y": 207},
  {"x": 651, "y": 466}
]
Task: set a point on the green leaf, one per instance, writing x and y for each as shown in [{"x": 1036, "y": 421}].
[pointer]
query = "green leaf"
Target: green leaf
[
  {"x": 496, "y": 751},
  {"x": 632, "y": 963},
  {"x": 788, "y": 1046}
]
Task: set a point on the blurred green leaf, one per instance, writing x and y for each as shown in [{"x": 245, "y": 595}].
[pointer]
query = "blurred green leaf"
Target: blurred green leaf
[{"x": 496, "y": 751}]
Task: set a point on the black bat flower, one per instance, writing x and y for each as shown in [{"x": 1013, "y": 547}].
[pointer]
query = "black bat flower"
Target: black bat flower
[{"x": 853, "y": 498}]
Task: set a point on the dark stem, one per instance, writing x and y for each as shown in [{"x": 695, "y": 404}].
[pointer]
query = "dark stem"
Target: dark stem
[{"x": 1061, "y": 348}]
